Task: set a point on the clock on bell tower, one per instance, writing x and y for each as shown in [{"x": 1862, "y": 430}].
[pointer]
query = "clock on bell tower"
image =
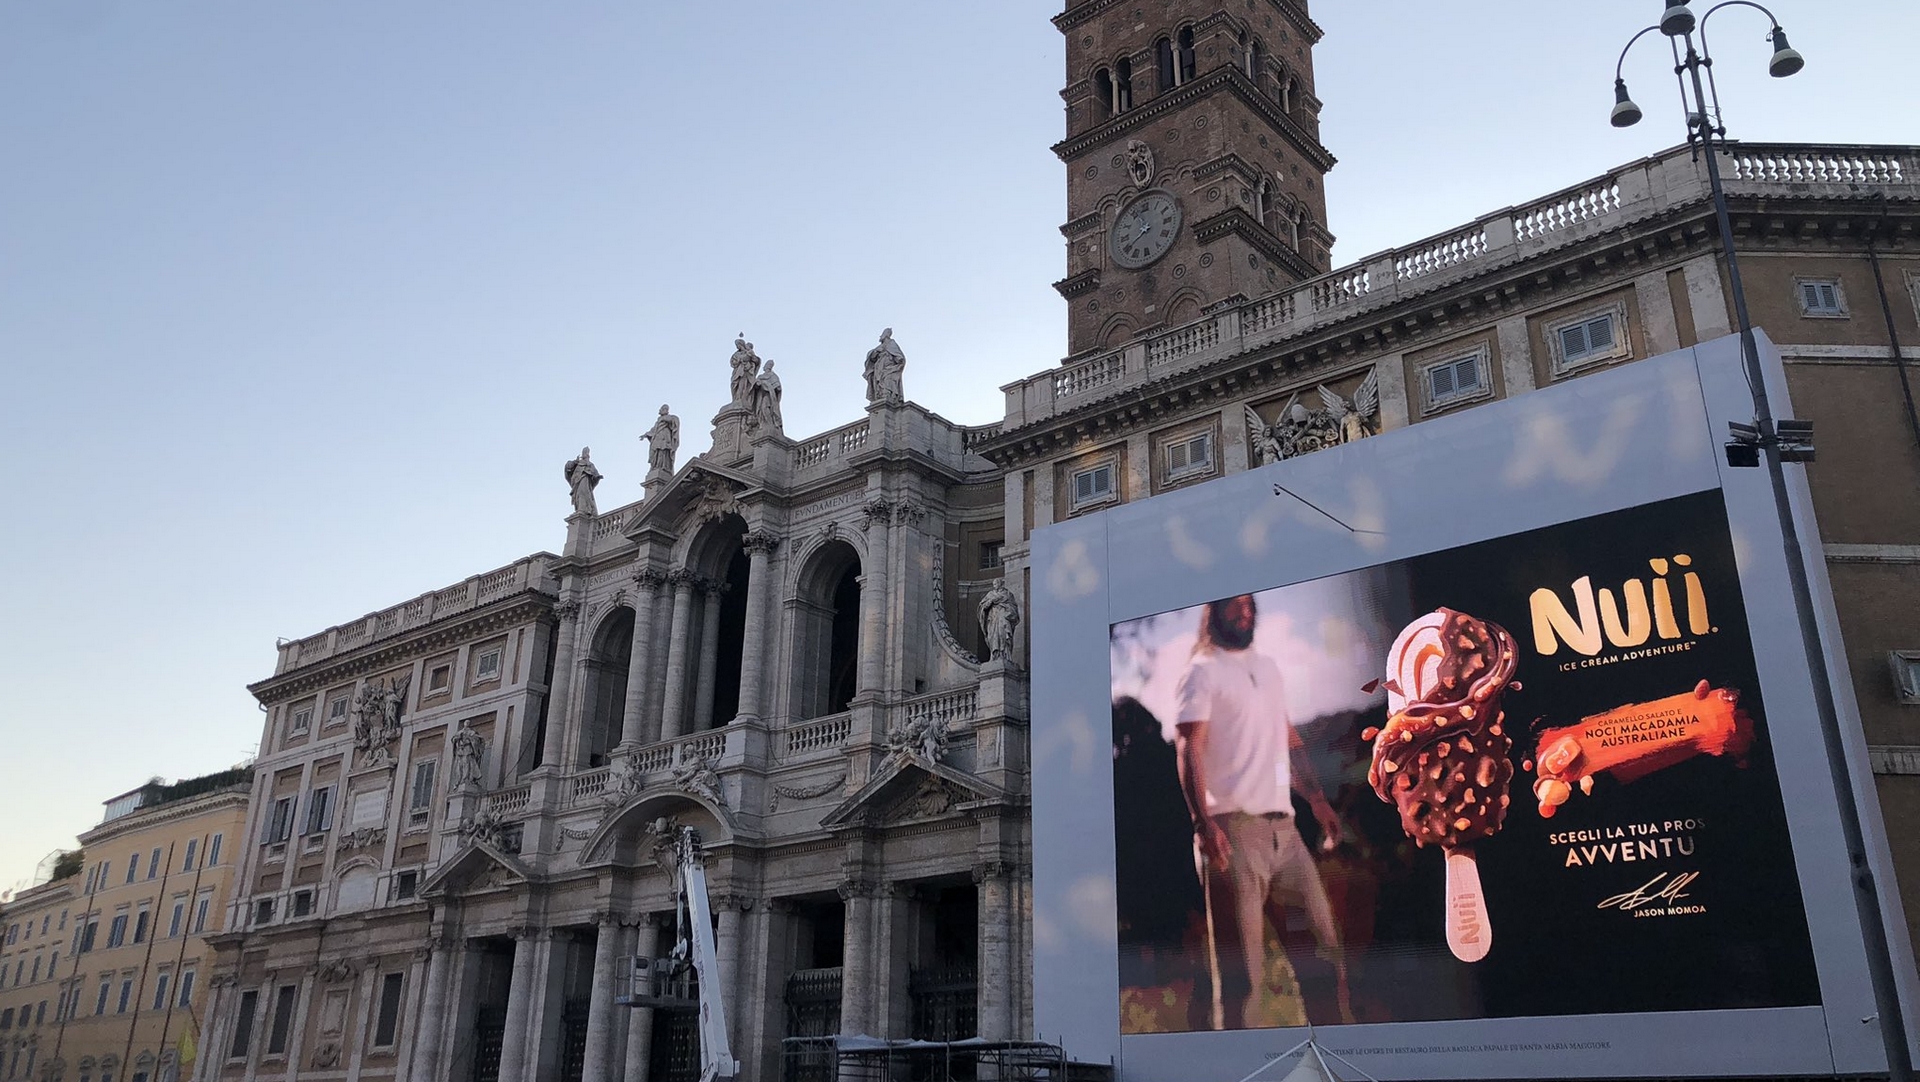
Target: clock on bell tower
[{"x": 1194, "y": 164}]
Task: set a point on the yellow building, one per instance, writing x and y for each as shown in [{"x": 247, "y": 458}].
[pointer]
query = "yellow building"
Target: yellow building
[
  {"x": 35, "y": 938},
  {"x": 122, "y": 995}
]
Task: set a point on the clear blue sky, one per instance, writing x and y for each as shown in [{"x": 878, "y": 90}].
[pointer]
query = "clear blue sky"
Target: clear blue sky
[{"x": 303, "y": 304}]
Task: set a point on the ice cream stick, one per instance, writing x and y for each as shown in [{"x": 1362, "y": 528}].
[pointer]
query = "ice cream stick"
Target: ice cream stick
[{"x": 1469, "y": 933}]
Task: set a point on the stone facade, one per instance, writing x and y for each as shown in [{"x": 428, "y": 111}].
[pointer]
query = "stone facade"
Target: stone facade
[
  {"x": 778, "y": 646},
  {"x": 123, "y": 994}
]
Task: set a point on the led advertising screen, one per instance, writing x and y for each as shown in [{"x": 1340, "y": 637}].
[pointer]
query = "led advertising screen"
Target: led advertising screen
[
  {"x": 1525, "y": 776},
  {"x": 1484, "y": 747}
]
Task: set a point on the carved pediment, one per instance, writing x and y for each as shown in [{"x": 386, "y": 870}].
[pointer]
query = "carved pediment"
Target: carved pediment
[
  {"x": 906, "y": 789},
  {"x": 699, "y": 493},
  {"x": 477, "y": 867}
]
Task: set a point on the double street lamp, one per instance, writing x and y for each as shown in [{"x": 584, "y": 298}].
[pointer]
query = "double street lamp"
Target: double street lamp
[{"x": 1775, "y": 443}]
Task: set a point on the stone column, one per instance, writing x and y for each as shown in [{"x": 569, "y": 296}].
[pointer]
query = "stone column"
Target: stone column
[
  {"x": 903, "y": 610},
  {"x": 646, "y": 939},
  {"x": 218, "y": 1038},
  {"x": 600, "y": 1007},
  {"x": 413, "y": 1015},
  {"x": 674, "y": 702},
  {"x": 647, "y": 583},
  {"x": 860, "y": 969},
  {"x": 559, "y": 693},
  {"x": 710, "y": 594},
  {"x": 515, "y": 1060},
  {"x": 877, "y": 518},
  {"x": 753, "y": 649},
  {"x": 367, "y": 993},
  {"x": 262, "y": 1027},
  {"x": 430, "y": 1038},
  {"x": 994, "y": 1003},
  {"x": 731, "y": 909}
]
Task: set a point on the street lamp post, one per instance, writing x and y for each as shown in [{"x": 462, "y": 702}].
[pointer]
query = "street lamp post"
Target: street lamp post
[{"x": 1777, "y": 443}]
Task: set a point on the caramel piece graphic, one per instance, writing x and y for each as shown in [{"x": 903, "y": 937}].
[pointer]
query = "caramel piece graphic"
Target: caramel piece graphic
[
  {"x": 1443, "y": 758},
  {"x": 1629, "y": 742}
]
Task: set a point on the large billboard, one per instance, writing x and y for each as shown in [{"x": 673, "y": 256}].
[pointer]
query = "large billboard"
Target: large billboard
[{"x": 1486, "y": 744}]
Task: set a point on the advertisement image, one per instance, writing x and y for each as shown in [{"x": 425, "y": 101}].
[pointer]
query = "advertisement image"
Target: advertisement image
[{"x": 1528, "y": 776}]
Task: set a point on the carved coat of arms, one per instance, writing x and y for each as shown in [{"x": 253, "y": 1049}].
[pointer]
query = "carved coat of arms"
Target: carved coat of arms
[{"x": 1302, "y": 429}]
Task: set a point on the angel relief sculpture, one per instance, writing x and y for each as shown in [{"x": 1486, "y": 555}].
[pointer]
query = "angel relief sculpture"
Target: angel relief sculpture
[{"x": 1301, "y": 429}]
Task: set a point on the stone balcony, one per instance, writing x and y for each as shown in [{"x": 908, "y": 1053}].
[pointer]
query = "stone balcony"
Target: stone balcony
[
  {"x": 804, "y": 760},
  {"x": 1637, "y": 192}
]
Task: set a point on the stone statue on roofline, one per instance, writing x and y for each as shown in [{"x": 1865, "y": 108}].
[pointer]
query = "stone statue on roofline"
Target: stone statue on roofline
[
  {"x": 581, "y": 479},
  {"x": 766, "y": 398},
  {"x": 746, "y": 371},
  {"x": 886, "y": 363},
  {"x": 664, "y": 441}
]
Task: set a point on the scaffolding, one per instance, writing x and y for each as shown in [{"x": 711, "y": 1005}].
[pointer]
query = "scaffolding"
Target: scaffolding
[{"x": 854, "y": 1058}]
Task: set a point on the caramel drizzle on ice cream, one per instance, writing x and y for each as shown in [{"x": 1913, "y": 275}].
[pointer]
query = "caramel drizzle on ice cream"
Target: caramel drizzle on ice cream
[{"x": 1443, "y": 758}]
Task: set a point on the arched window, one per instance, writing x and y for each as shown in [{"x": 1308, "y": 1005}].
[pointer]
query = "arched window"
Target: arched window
[
  {"x": 606, "y": 702},
  {"x": 1263, "y": 200},
  {"x": 1183, "y": 53},
  {"x": 1123, "y": 85},
  {"x": 826, "y": 625},
  {"x": 1291, "y": 97},
  {"x": 1102, "y": 95},
  {"x": 718, "y": 701},
  {"x": 1256, "y": 61},
  {"x": 1167, "y": 75}
]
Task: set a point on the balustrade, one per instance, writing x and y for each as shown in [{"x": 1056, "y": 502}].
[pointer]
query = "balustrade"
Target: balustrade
[
  {"x": 1087, "y": 375},
  {"x": 1183, "y": 342},
  {"x": 951, "y": 709},
  {"x": 1438, "y": 255},
  {"x": 817, "y": 734},
  {"x": 1817, "y": 166},
  {"x": 1566, "y": 211},
  {"x": 509, "y": 802}
]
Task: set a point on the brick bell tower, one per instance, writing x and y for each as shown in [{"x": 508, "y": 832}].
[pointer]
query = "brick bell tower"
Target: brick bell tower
[{"x": 1194, "y": 165}]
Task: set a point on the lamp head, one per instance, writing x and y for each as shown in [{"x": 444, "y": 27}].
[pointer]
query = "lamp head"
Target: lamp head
[
  {"x": 1786, "y": 59},
  {"x": 1625, "y": 113},
  {"x": 1677, "y": 19}
]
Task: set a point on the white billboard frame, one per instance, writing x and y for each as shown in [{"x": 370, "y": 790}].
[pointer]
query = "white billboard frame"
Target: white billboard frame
[{"x": 1641, "y": 433}]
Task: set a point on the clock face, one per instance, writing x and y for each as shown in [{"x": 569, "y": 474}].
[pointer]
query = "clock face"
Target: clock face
[{"x": 1147, "y": 228}]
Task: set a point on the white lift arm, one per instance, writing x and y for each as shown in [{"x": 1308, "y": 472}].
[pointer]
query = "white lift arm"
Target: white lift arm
[{"x": 696, "y": 933}]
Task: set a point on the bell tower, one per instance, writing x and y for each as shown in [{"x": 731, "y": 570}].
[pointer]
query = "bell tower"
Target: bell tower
[{"x": 1194, "y": 165}]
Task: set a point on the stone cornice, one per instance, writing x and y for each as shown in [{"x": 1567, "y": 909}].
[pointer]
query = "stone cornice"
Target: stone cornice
[
  {"x": 1235, "y": 221},
  {"x": 1075, "y": 16},
  {"x": 1086, "y": 223},
  {"x": 1227, "y": 78},
  {"x": 1085, "y": 282},
  {"x": 474, "y": 623},
  {"x": 1229, "y": 161},
  {"x": 173, "y": 811}
]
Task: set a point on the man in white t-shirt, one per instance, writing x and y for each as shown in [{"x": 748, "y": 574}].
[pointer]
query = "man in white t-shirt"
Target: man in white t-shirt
[{"x": 1239, "y": 768}]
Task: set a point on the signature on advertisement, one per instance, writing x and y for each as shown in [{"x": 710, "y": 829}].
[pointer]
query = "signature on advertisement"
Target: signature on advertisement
[{"x": 1652, "y": 891}]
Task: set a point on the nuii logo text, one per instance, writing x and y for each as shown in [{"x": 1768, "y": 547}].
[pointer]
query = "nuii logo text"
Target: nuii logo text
[{"x": 1601, "y": 612}]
